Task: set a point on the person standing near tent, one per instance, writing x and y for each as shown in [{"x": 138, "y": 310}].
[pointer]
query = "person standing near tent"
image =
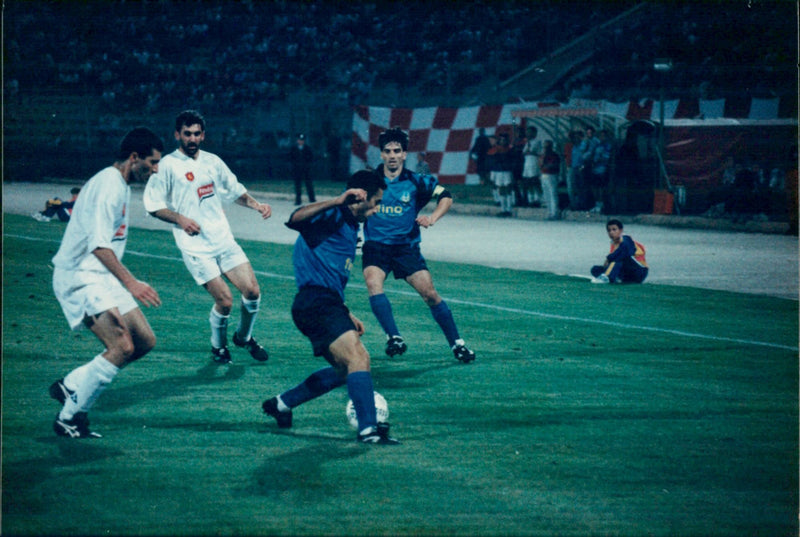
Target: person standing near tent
[
  {"x": 601, "y": 164},
  {"x": 586, "y": 153},
  {"x": 551, "y": 172}
]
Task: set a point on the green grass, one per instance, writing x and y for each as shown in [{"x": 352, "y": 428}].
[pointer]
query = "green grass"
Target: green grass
[{"x": 591, "y": 410}]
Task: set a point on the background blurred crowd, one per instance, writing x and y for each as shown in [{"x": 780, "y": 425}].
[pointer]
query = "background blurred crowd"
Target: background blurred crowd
[{"x": 235, "y": 54}]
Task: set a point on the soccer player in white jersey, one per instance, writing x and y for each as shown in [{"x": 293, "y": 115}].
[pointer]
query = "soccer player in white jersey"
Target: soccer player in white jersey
[
  {"x": 188, "y": 191},
  {"x": 95, "y": 289}
]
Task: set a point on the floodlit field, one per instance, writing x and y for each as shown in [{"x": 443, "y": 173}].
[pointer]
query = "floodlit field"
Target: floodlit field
[{"x": 591, "y": 410}]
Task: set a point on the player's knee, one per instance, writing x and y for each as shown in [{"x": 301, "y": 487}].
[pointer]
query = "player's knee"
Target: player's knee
[
  {"x": 252, "y": 293},
  {"x": 122, "y": 349},
  {"x": 224, "y": 304},
  {"x": 430, "y": 296},
  {"x": 145, "y": 344}
]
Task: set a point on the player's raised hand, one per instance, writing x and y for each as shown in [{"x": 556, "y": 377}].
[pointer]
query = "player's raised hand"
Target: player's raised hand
[{"x": 352, "y": 195}]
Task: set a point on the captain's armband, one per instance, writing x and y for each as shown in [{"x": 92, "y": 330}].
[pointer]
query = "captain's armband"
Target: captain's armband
[{"x": 441, "y": 192}]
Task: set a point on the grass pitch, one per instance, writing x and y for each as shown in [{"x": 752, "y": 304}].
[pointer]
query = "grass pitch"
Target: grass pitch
[{"x": 591, "y": 410}]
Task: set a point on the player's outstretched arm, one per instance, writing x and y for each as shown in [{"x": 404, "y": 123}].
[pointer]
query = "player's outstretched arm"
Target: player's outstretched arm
[
  {"x": 139, "y": 289},
  {"x": 246, "y": 200}
]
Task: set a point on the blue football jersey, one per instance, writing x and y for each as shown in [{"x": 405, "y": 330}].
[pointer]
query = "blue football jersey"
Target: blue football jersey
[
  {"x": 324, "y": 252},
  {"x": 403, "y": 198}
]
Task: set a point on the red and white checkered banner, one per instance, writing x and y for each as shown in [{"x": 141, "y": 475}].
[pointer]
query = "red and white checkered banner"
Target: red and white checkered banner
[{"x": 446, "y": 135}]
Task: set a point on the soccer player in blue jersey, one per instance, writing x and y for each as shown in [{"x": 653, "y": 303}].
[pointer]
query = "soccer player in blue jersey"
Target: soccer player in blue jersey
[
  {"x": 323, "y": 257},
  {"x": 392, "y": 239}
]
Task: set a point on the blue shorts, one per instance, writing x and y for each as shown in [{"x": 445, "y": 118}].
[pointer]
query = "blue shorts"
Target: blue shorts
[
  {"x": 322, "y": 317},
  {"x": 401, "y": 259}
]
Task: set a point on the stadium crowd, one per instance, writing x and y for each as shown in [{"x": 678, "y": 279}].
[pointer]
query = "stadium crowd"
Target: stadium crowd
[{"x": 234, "y": 55}]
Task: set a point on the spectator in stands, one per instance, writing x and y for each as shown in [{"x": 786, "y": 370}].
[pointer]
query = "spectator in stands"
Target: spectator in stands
[
  {"x": 57, "y": 207},
  {"x": 302, "y": 157},
  {"x": 551, "y": 171}
]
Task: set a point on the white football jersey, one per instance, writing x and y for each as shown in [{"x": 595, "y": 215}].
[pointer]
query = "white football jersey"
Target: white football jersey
[
  {"x": 195, "y": 188},
  {"x": 99, "y": 220}
]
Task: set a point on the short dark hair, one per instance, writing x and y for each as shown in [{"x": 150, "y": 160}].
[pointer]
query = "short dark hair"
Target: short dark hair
[
  {"x": 369, "y": 180},
  {"x": 395, "y": 134},
  {"x": 188, "y": 118},
  {"x": 614, "y": 222},
  {"x": 141, "y": 141}
]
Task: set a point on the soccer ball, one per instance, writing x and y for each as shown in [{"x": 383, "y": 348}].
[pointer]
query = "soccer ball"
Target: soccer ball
[{"x": 381, "y": 408}]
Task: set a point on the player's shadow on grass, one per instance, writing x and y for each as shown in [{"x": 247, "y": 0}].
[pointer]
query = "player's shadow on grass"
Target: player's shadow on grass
[
  {"x": 71, "y": 452},
  {"x": 393, "y": 377},
  {"x": 210, "y": 374},
  {"x": 300, "y": 473},
  {"x": 20, "y": 478}
]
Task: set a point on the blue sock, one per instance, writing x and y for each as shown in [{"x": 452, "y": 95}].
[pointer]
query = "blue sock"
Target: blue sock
[
  {"x": 318, "y": 383},
  {"x": 442, "y": 314},
  {"x": 383, "y": 312},
  {"x": 359, "y": 387}
]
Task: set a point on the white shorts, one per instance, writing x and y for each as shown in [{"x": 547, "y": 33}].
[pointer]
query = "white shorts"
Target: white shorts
[
  {"x": 85, "y": 293},
  {"x": 500, "y": 178},
  {"x": 204, "y": 269}
]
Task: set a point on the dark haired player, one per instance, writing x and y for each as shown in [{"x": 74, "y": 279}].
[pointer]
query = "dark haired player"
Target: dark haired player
[
  {"x": 323, "y": 257},
  {"x": 95, "y": 289},
  {"x": 188, "y": 192},
  {"x": 626, "y": 263},
  {"x": 392, "y": 243}
]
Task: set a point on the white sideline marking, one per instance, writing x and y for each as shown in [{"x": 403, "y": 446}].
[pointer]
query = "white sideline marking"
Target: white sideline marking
[{"x": 492, "y": 306}]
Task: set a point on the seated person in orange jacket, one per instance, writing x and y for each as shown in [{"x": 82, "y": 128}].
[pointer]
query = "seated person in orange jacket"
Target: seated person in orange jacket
[
  {"x": 57, "y": 207},
  {"x": 625, "y": 263}
]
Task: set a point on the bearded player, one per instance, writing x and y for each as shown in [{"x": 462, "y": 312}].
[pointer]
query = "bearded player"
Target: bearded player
[
  {"x": 392, "y": 243},
  {"x": 188, "y": 192}
]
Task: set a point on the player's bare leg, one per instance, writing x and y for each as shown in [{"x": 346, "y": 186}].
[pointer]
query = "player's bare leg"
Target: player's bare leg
[{"x": 126, "y": 338}]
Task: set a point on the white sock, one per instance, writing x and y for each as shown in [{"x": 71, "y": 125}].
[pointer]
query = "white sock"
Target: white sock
[
  {"x": 97, "y": 376},
  {"x": 219, "y": 328},
  {"x": 75, "y": 377},
  {"x": 281, "y": 405},
  {"x": 248, "y": 318}
]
